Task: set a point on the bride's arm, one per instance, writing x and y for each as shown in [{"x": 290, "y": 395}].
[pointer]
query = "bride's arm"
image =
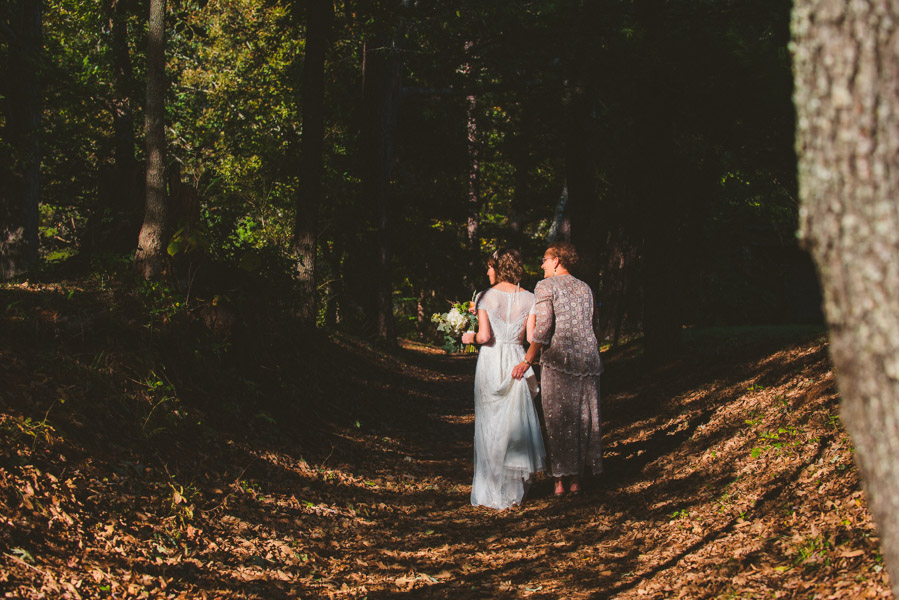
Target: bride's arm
[
  {"x": 484, "y": 334},
  {"x": 531, "y": 355}
]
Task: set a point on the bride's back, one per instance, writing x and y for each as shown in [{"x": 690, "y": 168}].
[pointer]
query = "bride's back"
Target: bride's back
[{"x": 508, "y": 312}]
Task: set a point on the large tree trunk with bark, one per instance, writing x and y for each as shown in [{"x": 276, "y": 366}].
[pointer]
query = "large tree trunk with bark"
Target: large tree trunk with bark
[
  {"x": 309, "y": 191},
  {"x": 150, "y": 258},
  {"x": 381, "y": 96},
  {"x": 846, "y": 61},
  {"x": 20, "y": 184}
]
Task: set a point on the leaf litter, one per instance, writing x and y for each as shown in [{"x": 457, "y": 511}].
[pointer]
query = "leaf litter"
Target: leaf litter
[{"x": 728, "y": 475}]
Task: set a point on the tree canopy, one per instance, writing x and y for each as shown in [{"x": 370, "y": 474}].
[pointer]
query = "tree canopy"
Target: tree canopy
[{"x": 657, "y": 138}]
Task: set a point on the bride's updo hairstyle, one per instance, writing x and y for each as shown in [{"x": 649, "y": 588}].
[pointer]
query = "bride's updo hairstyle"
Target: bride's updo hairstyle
[
  {"x": 565, "y": 252},
  {"x": 506, "y": 263}
]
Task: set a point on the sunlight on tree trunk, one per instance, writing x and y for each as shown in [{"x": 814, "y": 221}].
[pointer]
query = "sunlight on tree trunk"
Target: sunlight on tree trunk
[
  {"x": 847, "y": 99},
  {"x": 150, "y": 258}
]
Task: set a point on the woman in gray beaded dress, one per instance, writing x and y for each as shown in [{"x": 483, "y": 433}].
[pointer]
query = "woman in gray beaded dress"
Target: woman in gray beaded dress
[{"x": 571, "y": 367}]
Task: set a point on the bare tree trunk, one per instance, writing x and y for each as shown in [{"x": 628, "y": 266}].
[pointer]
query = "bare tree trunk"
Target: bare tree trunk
[
  {"x": 123, "y": 88},
  {"x": 381, "y": 96},
  {"x": 309, "y": 191},
  {"x": 847, "y": 96},
  {"x": 560, "y": 230},
  {"x": 20, "y": 189},
  {"x": 115, "y": 220},
  {"x": 332, "y": 256},
  {"x": 474, "y": 194},
  {"x": 150, "y": 258}
]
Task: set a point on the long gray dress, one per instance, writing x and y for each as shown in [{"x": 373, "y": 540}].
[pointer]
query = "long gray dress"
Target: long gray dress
[{"x": 571, "y": 367}]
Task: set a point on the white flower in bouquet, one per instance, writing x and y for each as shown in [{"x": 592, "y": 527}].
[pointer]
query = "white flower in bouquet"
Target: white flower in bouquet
[{"x": 458, "y": 320}]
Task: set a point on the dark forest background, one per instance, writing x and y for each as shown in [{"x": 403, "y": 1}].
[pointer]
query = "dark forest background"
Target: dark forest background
[{"x": 354, "y": 163}]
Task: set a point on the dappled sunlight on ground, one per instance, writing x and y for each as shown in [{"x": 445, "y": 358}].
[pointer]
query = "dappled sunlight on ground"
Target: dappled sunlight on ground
[{"x": 727, "y": 476}]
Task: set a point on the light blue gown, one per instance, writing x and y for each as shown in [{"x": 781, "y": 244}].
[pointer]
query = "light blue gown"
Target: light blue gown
[{"x": 508, "y": 446}]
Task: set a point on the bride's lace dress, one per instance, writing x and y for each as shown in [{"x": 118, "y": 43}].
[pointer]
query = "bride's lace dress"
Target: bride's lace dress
[{"x": 508, "y": 447}]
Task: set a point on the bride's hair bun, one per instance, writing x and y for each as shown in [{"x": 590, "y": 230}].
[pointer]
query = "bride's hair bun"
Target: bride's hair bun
[{"x": 506, "y": 262}]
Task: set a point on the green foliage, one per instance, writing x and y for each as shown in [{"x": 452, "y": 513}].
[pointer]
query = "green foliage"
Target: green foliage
[
  {"x": 233, "y": 112},
  {"x": 688, "y": 124},
  {"x": 36, "y": 430},
  {"x": 197, "y": 239}
]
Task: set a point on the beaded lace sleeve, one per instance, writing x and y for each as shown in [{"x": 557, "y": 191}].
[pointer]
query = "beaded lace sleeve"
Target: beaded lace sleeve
[{"x": 543, "y": 308}]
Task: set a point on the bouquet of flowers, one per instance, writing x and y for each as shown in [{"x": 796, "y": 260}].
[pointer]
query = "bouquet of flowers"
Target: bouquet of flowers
[{"x": 452, "y": 324}]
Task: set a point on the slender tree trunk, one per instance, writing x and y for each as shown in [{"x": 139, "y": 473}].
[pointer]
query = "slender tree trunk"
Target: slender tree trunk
[
  {"x": 473, "y": 202},
  {"x": 581, "y": 149},
  {"x": 474, "y": 193},
  {"x": 20, "y": 189},
  {"x": 309, "y": 191},
  {"x": 661, "y": 298},
  {"x": 846, "y": 62},
  {"x": 662, "y": 247},
  {"x": 332, "y": 256},
  {"x": 583, "y": 200},
  {"x": 116, "y": 218},
  {"x": 615, "y": 285},
  {"x": 150, "y": 258},
  {"x": 560, "y": 230},
  {"x": 521, "y": 157},
  {"x": 421, "y": 317},
  {"x": 381, "y": 96},
  {"x": 123, "y": 90}
]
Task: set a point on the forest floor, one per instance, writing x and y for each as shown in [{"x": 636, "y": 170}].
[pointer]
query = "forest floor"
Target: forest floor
[{"x": 132, "y": 469}]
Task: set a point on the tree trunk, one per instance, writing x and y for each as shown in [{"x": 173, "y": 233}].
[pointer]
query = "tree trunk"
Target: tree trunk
[
  {"x": 309, "y": 191},
  {"x": 661, "y": 297},
  {"x": 335, "y": 297},
  {"x": 20, "y": 188},
  {"x": 150, "y": 258},
  {"x": 123, "y": 89},
  {"x": 381, "y": 96},
  {"x": 560, "y": 230},
  {"x": 474, "y": 194},
  {"x": 847, "y": 99},
  {"x": 583, "y": 202},
  {"x": 116, "y": 217}
]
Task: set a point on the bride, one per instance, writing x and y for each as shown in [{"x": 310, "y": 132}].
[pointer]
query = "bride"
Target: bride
[{"x": 508, "y": 447}]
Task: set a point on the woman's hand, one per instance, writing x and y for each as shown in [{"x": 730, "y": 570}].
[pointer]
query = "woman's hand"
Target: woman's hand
[
  {"x": 520, "y": 369},
  {"x": 468, "y": 337}
]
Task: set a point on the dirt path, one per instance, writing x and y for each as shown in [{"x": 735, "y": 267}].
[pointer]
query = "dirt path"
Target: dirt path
[
  {"x": 692, "y": 504},
  {"x": 419, "y": 536}
]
